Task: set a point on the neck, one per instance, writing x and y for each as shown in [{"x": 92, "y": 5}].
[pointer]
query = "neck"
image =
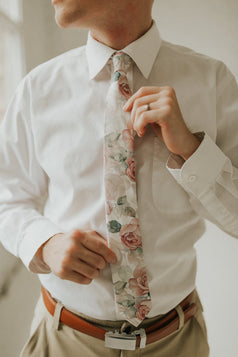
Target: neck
[{"x": 118, "y": 35}]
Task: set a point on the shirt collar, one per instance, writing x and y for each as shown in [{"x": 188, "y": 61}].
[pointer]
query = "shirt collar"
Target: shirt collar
[{"x": 143, "y": 51}]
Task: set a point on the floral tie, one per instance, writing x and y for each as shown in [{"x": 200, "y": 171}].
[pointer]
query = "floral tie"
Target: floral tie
[{"x": 132, "y": 296}]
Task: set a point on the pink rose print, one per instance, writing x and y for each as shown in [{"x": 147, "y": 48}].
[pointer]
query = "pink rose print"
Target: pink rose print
[
  {"x": 128, "y": 138},
  {"x": 142, "y": 310},
  {"x": 139, "y": 284},
  {"x": 130, "y": 235},
  {"x": 124, "y": 87},
  {"x": 130, "y": 171}
]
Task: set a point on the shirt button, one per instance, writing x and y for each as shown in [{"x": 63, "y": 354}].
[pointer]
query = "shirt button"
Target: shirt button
[{"x": 192, "y": 178}]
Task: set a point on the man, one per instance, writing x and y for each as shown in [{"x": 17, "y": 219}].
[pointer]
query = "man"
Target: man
[{"x": 184, "y": 111}]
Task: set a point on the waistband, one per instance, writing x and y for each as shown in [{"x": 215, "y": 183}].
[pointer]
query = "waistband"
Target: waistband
[{"x": 158, "y": 328}]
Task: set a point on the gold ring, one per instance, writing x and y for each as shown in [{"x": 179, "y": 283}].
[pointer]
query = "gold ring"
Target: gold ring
[{"x": 148, "y": 107}]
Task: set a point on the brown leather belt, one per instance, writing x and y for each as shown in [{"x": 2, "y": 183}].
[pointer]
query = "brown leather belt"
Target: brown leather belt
[{"x": 164, "y": 327}]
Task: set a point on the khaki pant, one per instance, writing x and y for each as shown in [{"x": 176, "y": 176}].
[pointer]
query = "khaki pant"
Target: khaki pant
[{"x": 49, "y": 338}]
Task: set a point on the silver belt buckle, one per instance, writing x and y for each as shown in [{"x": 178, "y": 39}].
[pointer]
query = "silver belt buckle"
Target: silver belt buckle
[{"x": 124, "y": 341}]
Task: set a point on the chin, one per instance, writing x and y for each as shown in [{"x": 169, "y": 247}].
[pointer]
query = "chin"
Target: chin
[
  {"x": 66, "y": 18},
  {"x": 61, "y": 18},
  {"x": 61, "y": 22}
]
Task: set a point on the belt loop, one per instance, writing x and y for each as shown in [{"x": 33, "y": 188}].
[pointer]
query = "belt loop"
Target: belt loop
[
  {"x": 56, "y": 317},
  {"x": 181, "y": 316}
]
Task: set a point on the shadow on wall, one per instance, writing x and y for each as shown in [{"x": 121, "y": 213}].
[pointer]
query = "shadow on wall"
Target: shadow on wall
[
  {"x": 43, "y": 39},
  {"x": 8, "y": 268},
  {"x": 19, "y": 291}
]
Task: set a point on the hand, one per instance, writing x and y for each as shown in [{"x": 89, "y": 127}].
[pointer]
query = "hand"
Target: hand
[
  {"x": 164, "y": 116},
  {"x": 77, "y": 256}
]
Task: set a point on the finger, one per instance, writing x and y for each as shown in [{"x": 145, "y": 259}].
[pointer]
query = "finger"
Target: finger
[
  {"x": 146, "y": 117},
  {"x": 84, "y": 269},
  {"x": 144, "y": 91},
  {"x": 165, "y": 91},
  {"x": 142, "y": 102},
  {"x": 98, "y": 245},
  {"x": 91, "y": 258},
  {"x": 140, "y": 112},
  {"x": 157, "y": 104},
  {"x": 77, "y": 278}
]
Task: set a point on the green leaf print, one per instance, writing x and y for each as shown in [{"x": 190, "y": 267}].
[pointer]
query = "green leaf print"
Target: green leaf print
[
  {"x": 117, "y": 75},
  {"x": 127, "y": 303},
  {"x": 125, "y": 273},
  {"x": 119, "y": 287},
  {"x": 111, "y": 138},
  {"x": 114, "y": 226},
  {"x": 121, "y": 200},
  {"x": 136, "y": 252},
  {"x": 122, "y": 210},
  {"x": 119, "y": 157},
  {"x": 129, "y": 211},
  {"x": 127, "y": 300},
  {"x": 131, "y": 312}
]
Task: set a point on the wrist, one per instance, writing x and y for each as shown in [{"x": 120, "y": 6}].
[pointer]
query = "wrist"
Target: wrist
[
  {"x": 192, "y": 145},
  {"x": 37, "y": 264},
  {"x": 47, "y": 249}
]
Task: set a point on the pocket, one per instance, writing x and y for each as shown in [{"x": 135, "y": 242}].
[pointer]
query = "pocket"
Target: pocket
[
  {"x": 199, "y": 317},
  {"x": 168, "y": 196},
  {"x": 200, "y": 321},
  {"x": 36, "y": 345}
]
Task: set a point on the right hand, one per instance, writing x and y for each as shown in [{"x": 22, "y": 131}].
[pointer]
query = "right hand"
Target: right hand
[{"x": 77, "y": 256}]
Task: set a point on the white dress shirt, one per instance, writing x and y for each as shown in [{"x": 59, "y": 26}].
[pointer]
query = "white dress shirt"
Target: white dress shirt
[{"x": 51, "y": 165}]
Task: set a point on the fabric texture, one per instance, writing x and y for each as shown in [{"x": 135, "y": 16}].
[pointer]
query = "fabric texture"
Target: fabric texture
[
  {"x": 51, "y": 172},
  {"x": 133, "y": 301},
  {"x": 49, "y": 338}
]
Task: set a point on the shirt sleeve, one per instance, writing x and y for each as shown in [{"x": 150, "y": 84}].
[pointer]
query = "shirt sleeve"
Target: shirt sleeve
[
  {"x": 210, "y": 175},
  {"x": 23, "y": 183}
]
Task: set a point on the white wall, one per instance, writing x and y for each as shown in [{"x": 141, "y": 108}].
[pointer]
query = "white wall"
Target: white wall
[
  {"x": 208, "y": 26},
  {"x": 43, "y": 38},
  {"x": 211, "y": 27}
]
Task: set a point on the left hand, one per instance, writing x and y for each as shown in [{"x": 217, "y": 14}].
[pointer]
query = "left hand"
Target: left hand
[{"x": 165, "y": 117}]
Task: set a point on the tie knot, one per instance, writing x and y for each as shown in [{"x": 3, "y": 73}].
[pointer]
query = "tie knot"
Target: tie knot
[{"x": 121, "y": 62}]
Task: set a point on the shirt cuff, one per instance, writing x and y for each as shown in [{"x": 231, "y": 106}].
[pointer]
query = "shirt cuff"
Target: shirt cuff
[
  {"x": 201, "y": 169},
  {"x": 36, "y": 234}
]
